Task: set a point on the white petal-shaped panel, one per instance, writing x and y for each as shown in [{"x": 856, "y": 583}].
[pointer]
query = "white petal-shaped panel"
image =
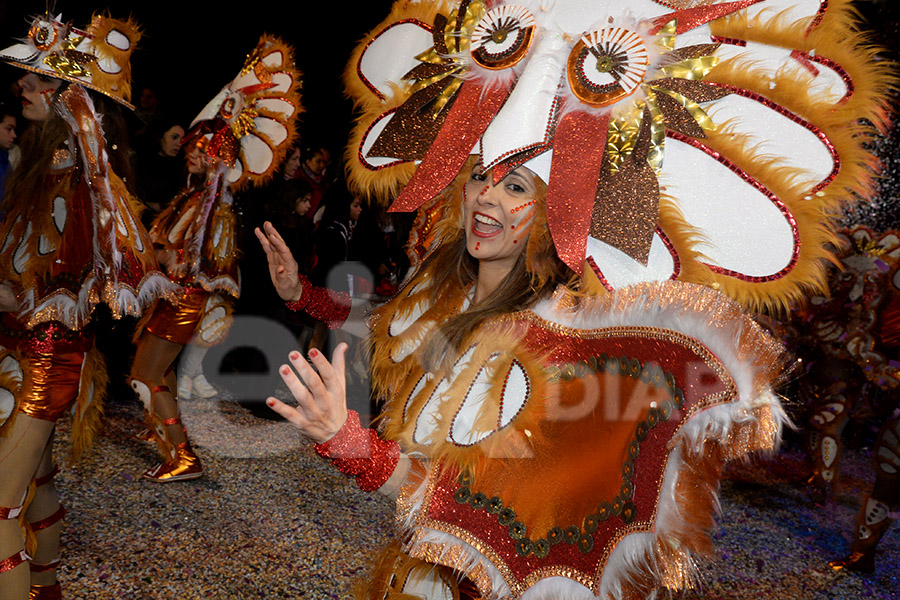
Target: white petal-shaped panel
[
  {"x": 8, "y": 241},
  {"x": 177, "y": 231},
  {"x": 275, "y": 131},
  {"x": 791, "y": 9},
  {"x": 258, "y": 156},
  {"x": 401, "y": 324},
  {"x": 7, "y": 404},
  {"x": 45, "y": 246},
  {"x": 273, "y": 59},
  {"x": 743, "y": 231},
  {"x": 22, "y": 256},
  {"x": 392, "y": 54},
  {"x": 800, "y": 147},
  {"x": 282, "y": 82},
  {"x": 212, "y": 108},
  {"x": 117, "y": 39},
  {"x": 235, "y": 172},
  {"x": 463, "y": 430},
  {"x": 11, "y": 368},
  {"x": 109, "y": 66},
  {"x": 516, "y": 394},
  {"x": 619, "y": 269},
  {"x": 276, "y": 106},
  {"x": 427, "y": 421},
  {"x": 246, "y": 80},
  {"x": 417, "y": 389},
  {"x": 826, "y": 83}
]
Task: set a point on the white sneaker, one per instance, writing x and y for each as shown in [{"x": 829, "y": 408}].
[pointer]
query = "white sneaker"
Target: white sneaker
[
  {"x": 184, "y": 387},
  {"x": 203, "y": 388}
]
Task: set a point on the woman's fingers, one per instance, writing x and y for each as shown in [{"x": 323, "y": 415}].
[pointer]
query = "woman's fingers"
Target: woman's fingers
[
  {"x": 309, "y": 376},
  {"x": 305, "y": 401},
  {"x": 332, "y": 373},
  {"x": 290, "y": 413}
]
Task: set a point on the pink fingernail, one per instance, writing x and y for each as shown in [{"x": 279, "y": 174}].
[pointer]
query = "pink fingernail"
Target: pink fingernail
[
  {"x": 295, "y": 355},
  {"x": 270, "y": 402},
  {"x": 313, "y": 353},
  {"x": 285, "y": 371}
]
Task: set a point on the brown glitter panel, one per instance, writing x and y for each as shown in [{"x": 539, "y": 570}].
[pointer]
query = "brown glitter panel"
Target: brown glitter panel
[
  {"x": 689, "y": 18},
  {"x": 677, "y": 117},
  {"x": 558, "y": 512},
  {"x": 688, "y": 52},
  {"x": 412, "y": 130},
  {"x": 626, "y": 207},
  {"x": 698, "y": 91},
  {"x": 428, "y": 70}
]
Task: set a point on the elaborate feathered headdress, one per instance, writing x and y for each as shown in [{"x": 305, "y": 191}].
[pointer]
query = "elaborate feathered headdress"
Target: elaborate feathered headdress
[
  {"x": 702, "y": 140},
  {"x": 97, "y": 58},
  {"x": 251, "y": 123}
]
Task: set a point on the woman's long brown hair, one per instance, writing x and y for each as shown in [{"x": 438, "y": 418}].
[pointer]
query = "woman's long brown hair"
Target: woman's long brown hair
[{"x": 41, "y": 140}]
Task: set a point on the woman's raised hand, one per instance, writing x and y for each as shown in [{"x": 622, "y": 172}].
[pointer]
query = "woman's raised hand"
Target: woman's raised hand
[
  {"x": 282, "y": 266},
  {"x": 322, "y": 403}
]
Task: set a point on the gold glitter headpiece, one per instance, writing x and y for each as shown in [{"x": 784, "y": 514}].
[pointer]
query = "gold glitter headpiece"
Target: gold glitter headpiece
[
  {"x": 97, "y": 58},
  {"x": 251, "y": 123},
  {"x": 701, "y": 140}
]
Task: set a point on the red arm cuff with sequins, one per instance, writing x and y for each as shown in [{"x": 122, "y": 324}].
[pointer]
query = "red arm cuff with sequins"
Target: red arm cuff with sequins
[
  {"x": 322, "y": 304},
  {"x": 360, "y": 453}
]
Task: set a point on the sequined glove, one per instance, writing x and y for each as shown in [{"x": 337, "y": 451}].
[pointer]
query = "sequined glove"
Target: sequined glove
[
  {"x": 360, "y": 453},
  {"x": 322, "y": 304}
]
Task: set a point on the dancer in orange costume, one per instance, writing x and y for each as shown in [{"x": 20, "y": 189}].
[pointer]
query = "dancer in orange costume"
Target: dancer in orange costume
[
  {"x": 72, "y": 239},
  {"x": 239, "y": 138},
  {"x": 564, "y": 373}
]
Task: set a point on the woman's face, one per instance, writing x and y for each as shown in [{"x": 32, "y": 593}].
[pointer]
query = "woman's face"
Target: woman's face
[
  {"x": 319, "y": 162},
  {"x": 301, "y": 205},
  {"x": 355, "y": 209},
  {"x": 498, "y": 217},
  {"x": 37, "y": 96},
  {"x": 197, "y": 161},
  {"x": 292, "y": 164},
  {"x": 170, "y": 142}
]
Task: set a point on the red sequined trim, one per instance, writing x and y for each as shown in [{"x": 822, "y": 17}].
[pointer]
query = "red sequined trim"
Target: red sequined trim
[
  {"x": 52, "y": 519},
  {"x": 13, "y": 561},
  {"x": 40, "y": 568},
  {"x": 593, "y": 265},
  {"x": 44, "y": 479},
  {"x": 676, "y": 268},
  {"x": 322, "y": 304},
  {"x": 819, "y": 16},
  {"x": 359, "y": 72},
  {"x": 9, "y": 513},
  {"x": 360, "y": 453},
  {"x": 727, "y": 40},
  {"x": 835, "y": 157},
  {"x": 761, "y": 189}
]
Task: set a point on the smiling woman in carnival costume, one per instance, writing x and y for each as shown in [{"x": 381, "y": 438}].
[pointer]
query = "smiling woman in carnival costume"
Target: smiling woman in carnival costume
[
  {"x": 71, "y": 239},
  {"x": 238, "y": 139},
  {"x": 601, "y": 186}
]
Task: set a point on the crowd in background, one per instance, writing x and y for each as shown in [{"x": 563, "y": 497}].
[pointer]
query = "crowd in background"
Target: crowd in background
[{"x": 340, "y": 240}]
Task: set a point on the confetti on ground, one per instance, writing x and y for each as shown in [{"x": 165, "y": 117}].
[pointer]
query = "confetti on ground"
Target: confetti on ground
[{"x": 272, "y": 520}]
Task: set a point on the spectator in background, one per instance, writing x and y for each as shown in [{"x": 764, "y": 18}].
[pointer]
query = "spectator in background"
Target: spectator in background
[
  {"x": 7, "y": 141},
  {"x": 292, "y": 164},
  {"x": 314, "y": 163},
  {"x": 159, "y": 171}
]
